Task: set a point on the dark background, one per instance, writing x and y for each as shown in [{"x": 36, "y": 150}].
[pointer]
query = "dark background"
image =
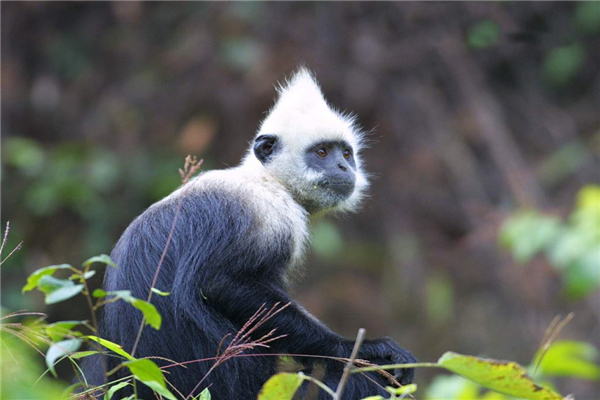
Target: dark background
[{"x": 477, "y": 110}]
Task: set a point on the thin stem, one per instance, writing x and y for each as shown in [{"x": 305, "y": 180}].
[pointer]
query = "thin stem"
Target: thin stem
[
  {"x": 396, "y": 366},
  {"x": 318, "y": 383},
  {"x": 350, "y": 364},
  {"x": 190, "y": 168}
]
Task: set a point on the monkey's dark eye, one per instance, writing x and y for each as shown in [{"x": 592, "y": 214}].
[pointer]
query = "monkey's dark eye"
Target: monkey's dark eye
[
  {"x": 322, "y": 152},
  {"x": 347, "y": 154}
]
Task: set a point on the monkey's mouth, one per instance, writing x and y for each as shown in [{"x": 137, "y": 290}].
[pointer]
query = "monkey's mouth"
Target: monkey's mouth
[{"x": 341, "y": 187}]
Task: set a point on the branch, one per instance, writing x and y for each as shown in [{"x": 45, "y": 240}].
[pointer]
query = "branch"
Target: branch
[{"x": 350, "y": 364}]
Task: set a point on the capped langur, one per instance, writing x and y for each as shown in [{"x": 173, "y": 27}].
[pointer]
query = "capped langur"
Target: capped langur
[{"x": 240, "y": 235}]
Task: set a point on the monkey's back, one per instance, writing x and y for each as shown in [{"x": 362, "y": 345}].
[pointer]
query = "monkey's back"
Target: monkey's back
[{"x": 222, "y": 232}]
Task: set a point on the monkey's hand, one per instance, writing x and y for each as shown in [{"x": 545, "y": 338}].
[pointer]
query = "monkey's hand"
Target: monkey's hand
[{"x": 387, "y": 351}]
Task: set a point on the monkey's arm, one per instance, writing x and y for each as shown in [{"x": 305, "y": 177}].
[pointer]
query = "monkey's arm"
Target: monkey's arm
[{"x": 234, "y": 271}]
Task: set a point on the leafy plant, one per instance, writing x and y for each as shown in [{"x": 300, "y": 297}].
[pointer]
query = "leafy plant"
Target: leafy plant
[{"x": 571, "y": 247}]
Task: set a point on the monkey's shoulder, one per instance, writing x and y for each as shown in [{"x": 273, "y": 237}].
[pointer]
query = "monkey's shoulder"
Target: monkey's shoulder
[{"x": 226, "y": 200}]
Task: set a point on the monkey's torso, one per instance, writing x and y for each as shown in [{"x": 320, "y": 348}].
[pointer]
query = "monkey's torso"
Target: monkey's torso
[{"x": 227, "y": 237}]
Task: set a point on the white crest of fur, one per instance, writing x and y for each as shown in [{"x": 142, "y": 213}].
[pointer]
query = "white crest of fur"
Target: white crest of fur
[{"x": 301, "y": 117}]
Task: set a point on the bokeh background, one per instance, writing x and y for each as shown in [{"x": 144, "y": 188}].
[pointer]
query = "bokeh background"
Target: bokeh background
[{"x": 478, "y": 111}]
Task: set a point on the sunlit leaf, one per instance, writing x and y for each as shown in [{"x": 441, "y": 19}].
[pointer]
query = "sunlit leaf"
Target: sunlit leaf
[
  {"x": 34, "y": 279},
  {"x": 58, "y": 330},
  {"x": 147, "y": 372},
  {"x": 403, "y": 390},
  {"x": 160, "y": 292},
  {"x": 59, "y": 350},
  {"x": 114, "y": 389},
  {"x": 99, "y": 293},
  {"x": 83, "y": 354},
  {"x": 102, "y": 258},
  {"x": 501, "y": 376},
  {"x": 204, "y": 395},
  {"x": 281, "y": 386},
  {"x": 111, "y": 346},
  {"x": 150, "y": 312},
  {"x": 58, "y": 290}
]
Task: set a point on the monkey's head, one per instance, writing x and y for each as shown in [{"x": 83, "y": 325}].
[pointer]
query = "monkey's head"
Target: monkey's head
[{"x": 312, "y": 149}]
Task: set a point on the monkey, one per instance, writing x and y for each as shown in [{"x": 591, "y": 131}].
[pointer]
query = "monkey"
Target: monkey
[{"x": 237, "y": 240}]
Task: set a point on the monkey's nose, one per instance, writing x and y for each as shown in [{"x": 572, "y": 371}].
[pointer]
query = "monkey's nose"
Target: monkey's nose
[{"x": 342, "y": 167}]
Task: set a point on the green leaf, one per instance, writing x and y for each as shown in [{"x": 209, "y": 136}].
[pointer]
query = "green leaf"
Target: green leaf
[
  {"x": 34, "y": 279},
  {"x": 281, "y": 386},
  {"x": 501, "y": 376},
  {"x": 83, "y": 354},
  {"x": 58, "y": 330},
  {"x": 398, "y": 391},
  {"x": 102, "y": 258},
  {"x": 114, "y": 389},
  {"x": 150, "y": 312},
  {"x": 483, "y": 34},
  {"x": 160, "y": 292},
  {"x": 99, "y": 293},
  {"x": 86, "y": 275},
  {"x": 373, "y": 398},
  {"x": 59, "y": 350},
  {"x": 111, "y": 346},
  {"x": 58, "y": 290},
  {"x": 147, "y": 372},
  {"x": 570, "y": 359},
  {"x": 63, "y": 293},
  {"x": 204, "y": 395}
]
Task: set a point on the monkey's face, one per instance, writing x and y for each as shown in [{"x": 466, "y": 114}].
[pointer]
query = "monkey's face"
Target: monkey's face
[
  {"x": 321, "y": 176},
  {"x": 334, "y": 164}
]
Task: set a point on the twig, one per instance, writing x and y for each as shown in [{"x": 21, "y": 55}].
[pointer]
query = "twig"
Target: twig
[
  {"x": 550, "y": 335},
  {"x": 350, "y": 364},
  {"x": 4, "y": 240},
  {"x": 191, "y": 166},
  {"x": 318, "y": 383},
  {"x": 5, "y": 237}
]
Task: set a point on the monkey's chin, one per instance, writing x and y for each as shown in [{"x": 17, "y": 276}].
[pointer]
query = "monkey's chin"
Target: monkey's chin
[{"x": 325, "y": 199}]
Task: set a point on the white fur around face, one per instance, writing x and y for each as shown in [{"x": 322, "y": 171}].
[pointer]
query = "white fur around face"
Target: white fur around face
[{"x": 300, "y": 118}]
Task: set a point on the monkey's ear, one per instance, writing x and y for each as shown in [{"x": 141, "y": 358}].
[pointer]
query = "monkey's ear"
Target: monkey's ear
[{"x": 265, "y": 147}]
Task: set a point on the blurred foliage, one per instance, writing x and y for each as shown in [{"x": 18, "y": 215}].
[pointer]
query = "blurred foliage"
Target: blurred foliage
[
  {"x": 562, "y": 64},
  {"x": 86, "y": 180},
  {"x": 21, "y": 372},
  {"x": 571, "y": 247},
  {"x": 483, "y": 34},
  {"x": 326, "y": 240},
  {"x": 441, "y": 299},
  {"x": 587, "y": 17}
]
